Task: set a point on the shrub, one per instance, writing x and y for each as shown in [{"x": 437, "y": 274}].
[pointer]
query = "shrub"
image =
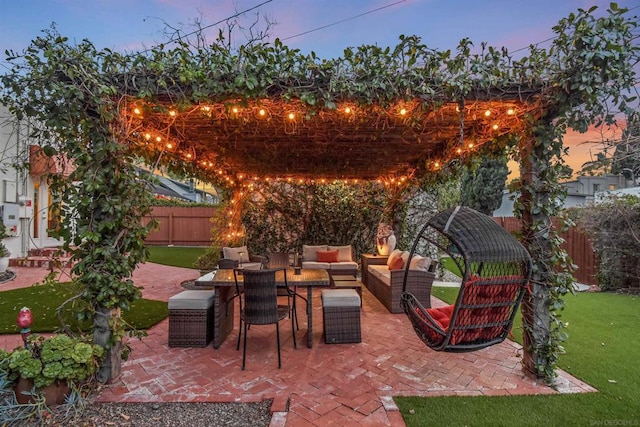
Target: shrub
[{"x": 613, "y": 227}]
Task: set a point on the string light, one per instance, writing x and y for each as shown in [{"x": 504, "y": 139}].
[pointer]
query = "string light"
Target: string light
[
  {"x": 262, "y": 112},
  {"x": 172, "y": 113},
  {"x": 137, "y": 111},
  {"x": 487, "y": 113},
  {"x": 292, "y": 116},
  {"x": 511, "y": 112}
]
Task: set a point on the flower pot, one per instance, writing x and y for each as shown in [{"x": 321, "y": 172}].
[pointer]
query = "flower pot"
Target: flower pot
[
  {"x": 54, "y": 394},
  {"x": 4, "y": 264}
]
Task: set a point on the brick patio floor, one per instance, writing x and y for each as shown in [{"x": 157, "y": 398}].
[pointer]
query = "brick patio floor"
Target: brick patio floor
[{"x": 336, "y": 384}]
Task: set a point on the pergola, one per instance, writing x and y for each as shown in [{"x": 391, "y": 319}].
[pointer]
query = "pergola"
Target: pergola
[
  {"x": 266, "y": 112},
  {"x": 243, "y": 141}
]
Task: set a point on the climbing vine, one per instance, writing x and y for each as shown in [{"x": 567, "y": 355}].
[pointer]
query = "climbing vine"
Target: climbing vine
[{"x": 85, "y": 101}]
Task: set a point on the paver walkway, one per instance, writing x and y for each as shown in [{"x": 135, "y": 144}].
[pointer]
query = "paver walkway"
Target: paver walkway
[{"x": 337, "y": 384}]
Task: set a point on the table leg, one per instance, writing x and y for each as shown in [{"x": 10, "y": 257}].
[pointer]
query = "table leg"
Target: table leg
[
  {"x": 223, "y": 314},
  {"x": 309, "y": 317}
]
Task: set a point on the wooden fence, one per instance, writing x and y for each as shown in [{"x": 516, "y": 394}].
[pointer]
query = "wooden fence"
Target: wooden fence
[
  {"x": 181, "y": 226},
  {"x": 577, "y": 245},
  {"x": 192, "y": 227}
]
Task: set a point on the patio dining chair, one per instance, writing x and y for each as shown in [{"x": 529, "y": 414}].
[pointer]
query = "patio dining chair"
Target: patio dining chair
[
  {"x": 495, "y": 269},
  {"x": 281, "y": 260},
  {"x": 259, "y": 304}
]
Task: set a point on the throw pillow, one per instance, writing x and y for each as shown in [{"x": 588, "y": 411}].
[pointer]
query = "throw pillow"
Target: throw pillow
[
  {"x": 344, "y": 252},
  {"x": 396, "y": 264},
  {"x": 327, "y": 256},
  {"x": 395, "y": 254},
  {"x": 420, "y": 263},
  {"x": 309, "y": 253},
  {"x": 234, "y": 253}
]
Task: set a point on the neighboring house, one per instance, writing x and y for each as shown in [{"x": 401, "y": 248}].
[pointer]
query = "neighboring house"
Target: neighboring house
[
  {"x": 168, "y": 188},
  {"x": 24, "y": 194},
  {"x": 25, "y": 199},
  {"x": 580, "y": 191},
  {"x": 602, "y": 196}
]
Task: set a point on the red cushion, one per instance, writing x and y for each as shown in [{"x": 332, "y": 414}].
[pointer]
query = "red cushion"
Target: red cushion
[
  {"x": 396, "y": 264},
  {"x": 442, "y": 315},
  {"x": 327, "y": 256}
]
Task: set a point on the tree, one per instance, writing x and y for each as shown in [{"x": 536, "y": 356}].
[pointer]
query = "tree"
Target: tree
[
  {"x": 482, "y": 186},
  {"x": 626, "y": 157}
]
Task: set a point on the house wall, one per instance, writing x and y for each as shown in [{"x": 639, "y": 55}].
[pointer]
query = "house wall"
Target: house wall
[{"x": 20, "y": 192}]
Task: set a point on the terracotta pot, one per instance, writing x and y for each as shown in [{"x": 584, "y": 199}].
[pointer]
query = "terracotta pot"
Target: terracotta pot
[{"x": 55, "y": 394}]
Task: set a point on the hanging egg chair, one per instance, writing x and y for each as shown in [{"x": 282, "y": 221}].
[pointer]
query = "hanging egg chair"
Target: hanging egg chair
[{"x": 495, "y": 270}]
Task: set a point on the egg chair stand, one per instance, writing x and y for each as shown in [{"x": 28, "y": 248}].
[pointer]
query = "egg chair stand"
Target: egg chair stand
[{"x": 495, "y": 270}]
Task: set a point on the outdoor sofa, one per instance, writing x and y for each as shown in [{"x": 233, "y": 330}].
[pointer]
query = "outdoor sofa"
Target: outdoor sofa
[
  {"x": 337, "y": 260},
  {"x": 386, "y": 281}
]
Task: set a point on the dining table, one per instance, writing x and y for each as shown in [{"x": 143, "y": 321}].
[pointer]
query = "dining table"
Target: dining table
[{"x": 223, "y": 282}]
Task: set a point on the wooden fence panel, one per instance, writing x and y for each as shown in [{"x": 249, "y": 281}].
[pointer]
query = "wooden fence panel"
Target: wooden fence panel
[
  {"x": 577, "y": 245},
  {"x": 181, "y": 226}
]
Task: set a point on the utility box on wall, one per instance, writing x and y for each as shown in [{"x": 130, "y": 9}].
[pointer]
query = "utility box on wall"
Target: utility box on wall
[
  {"x": 11, "y": 218},
  {"x": 26, "y": 207}
]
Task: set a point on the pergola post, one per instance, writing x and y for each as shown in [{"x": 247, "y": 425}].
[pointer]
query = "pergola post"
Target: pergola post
[{"x": 536, "y": 313}]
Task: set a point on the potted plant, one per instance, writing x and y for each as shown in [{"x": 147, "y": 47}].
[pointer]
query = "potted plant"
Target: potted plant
[
  {"x": 52, "y": 366},
  {"x": 4, "y": 252},
  {"x": 208, "y": 261}
]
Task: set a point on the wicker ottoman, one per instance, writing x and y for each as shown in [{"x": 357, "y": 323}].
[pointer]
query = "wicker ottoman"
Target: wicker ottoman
[
  {"x": 341, "y": 316},
  {"x": 191, "y": 319}
]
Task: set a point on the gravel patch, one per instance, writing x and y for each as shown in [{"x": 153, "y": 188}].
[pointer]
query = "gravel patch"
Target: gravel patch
[{"x": 161, "y": 415}]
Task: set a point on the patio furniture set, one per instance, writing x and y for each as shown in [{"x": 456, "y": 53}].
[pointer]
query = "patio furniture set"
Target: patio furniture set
[
  {"x": 197, "y": 317},
  {"x": 496, "y": 270}
]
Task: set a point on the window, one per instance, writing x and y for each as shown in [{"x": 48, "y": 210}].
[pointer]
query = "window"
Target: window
[{"x": 596, "y": 187}]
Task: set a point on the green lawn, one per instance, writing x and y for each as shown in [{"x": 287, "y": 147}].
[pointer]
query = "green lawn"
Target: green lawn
[
  {"x": 603, "y": 350},
  {"x": 176, "y": 256},
  {"x": 43, "y": 300}
]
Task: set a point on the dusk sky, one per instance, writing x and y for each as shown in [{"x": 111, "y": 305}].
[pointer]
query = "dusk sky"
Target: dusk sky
[{"x": 130, "y": 25}]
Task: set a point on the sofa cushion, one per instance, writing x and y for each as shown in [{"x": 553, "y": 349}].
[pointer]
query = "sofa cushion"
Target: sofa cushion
[
  {"x": 234, "y": 253},
  {"x": 381, "y": 272},
  {"x": 395, "y": 254},
  {"x": 344, "y": 266},
  {"x": 327, "y": 256},
  {"x": 315, "y": 265},
  {"x": 419, "y": 262},
  {"x": 405, "y": 258},
  {"x": 344, "y": 252},
  {"x": 309, "y": 253}
]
